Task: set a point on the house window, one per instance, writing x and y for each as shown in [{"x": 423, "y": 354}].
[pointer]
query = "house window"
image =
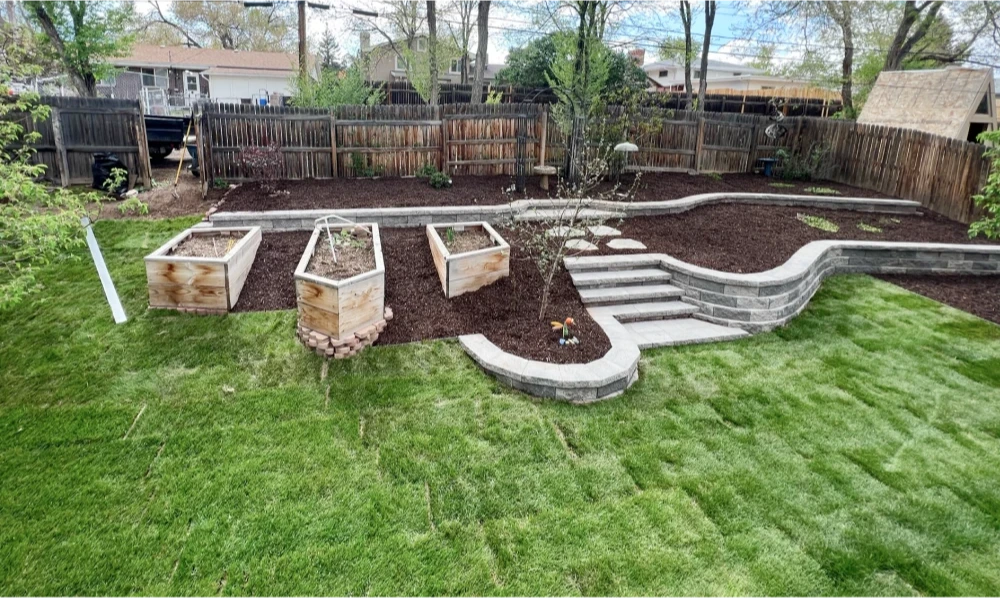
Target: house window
[
  {"x": 400, "y": 63},
  {"x": 148, "y": 77},
  {"x": 421, "y": 45},
  {"x": 984, "y": 105},
  {"x": 664, "y": 73},
  {"x": 456, "y": 66},
  {"x": 191, "y": 82}
]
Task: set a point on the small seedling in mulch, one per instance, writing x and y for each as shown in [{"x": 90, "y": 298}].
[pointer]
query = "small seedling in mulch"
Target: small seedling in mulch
[
  {"x": 868, "y": 228},
  {"x": 816, "y": 222},
  {"x": 782, "y": 185},
  {"x": 567, "y": 338},
  {"x": 884, "y": 220},
  {"x": 450, "y": 236},
  {"x": 822, "y": 191},
  {"x": 714, "y": 176}
]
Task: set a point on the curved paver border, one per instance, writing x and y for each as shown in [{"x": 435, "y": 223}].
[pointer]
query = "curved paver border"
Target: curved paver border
[
  {"x": 524, "y": 208},
  {"x": 601, "y": 379}
]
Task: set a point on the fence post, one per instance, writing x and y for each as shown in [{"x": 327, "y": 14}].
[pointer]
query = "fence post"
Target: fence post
[
  {"x": 145, "y": 169},
  {"x": 443, "y": 155},
  {"x": 699, "y": 144},
  {"x": 333, "y": 145},
  {"x": 60, "y": 148}
]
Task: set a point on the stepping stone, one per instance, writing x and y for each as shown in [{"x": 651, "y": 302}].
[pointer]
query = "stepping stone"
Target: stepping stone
[
  {"x": 580, "y": 245},
  {"x": 604, "y": 231},
  {"x": 625, "y": 244},
  {"x": 564, "y": 231}
]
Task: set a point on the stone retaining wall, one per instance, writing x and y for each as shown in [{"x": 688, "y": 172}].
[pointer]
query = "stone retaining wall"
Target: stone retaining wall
[{"x": 289, "y": 220}]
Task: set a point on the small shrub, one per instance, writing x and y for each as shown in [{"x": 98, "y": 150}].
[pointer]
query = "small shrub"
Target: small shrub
[
  {"x": 219, "y": 183},
  {"x": 714, "y": 176},
  {"x": 362, "y": 169},
  {"x": 818, "y": 223},
  {"x": 822, "y": 191},
  {"x": 811, "y": 165},
  {"x": 988, "y": 199},
  {"x": 117, "y": 182},
  {"x": 133, "y": 206},
  {"x": 782, "y": 185},
  {"x": 868, "y": 228},
  {"x": 493, "y": 96},
  {"x": 440, "y": 180},
  {"x": 426, "y": 171}
]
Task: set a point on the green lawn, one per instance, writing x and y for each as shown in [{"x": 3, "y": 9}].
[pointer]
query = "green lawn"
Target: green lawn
[{"x": 856, "y": 451}]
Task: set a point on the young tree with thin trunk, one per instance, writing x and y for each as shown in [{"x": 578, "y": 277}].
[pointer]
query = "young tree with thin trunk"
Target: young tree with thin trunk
[
  {"x": 686, "y": 20},
  {"x": 432, "y": 44},
  {"x": 461, "y": 33}
]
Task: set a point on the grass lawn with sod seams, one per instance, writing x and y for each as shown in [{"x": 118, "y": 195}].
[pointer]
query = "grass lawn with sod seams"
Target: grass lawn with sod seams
[{"x": 855, "y": 451}]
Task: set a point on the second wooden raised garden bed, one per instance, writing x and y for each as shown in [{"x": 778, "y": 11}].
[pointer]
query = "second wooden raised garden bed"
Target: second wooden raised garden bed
[
  {"x": 468, "y": 256},
  {"x": 202, "y": 270},
  {"x": 339, "y": 316}
]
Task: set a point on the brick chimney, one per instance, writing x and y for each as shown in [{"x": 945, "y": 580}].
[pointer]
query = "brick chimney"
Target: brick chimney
[{"x": 638, "y": 56}]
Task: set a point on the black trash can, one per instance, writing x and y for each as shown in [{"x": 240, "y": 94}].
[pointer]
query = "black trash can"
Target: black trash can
[{"x": 104, "y": 163}]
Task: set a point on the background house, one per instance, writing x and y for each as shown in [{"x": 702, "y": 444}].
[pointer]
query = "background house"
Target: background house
[
  {"x": 954, "y": 102},
  {"x": 385, "y": 64},
  {"x": 668, "y": 75},
  {"x": 178, "y": 76}
]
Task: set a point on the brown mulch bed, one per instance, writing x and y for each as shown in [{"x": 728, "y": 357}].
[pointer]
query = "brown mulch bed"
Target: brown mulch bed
[
  {"x": 978, "y": 295},
  {"x": 481, "y": 190},
  {"x": 271, "y": 282},
  {"x": 749, "y": 238},
  {"x": 351, "y": 260},
  {"x": 471, "y": 239},
  {"x": 505, "y": 311},
  {"x": 207, "y": 245}
]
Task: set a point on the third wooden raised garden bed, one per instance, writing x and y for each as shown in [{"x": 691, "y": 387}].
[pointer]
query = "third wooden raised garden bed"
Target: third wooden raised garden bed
[
  {"x": 341, "y": 303},
  {"x": 468, "y": 256}
]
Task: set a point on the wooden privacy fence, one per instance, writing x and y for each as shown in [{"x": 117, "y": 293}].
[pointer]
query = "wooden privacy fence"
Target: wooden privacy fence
[
  {"x": 80, "y": 127},
  {"x": 464, "y": 139}
]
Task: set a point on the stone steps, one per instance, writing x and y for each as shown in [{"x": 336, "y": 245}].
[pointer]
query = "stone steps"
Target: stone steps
[
  {"x": 611, "y": 263},
  {"x": 655, "y": 310},
  {"x": 629, "y": 294},
  {"x": 600, "y": 279},
  {"x": 685, "y": 331}
]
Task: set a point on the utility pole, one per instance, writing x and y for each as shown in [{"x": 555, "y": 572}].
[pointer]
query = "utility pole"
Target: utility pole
[{"x": 303, "y": 50}]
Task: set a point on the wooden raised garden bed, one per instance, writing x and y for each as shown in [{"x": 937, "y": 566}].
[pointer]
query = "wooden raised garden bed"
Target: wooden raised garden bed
[
  {"x": 340, "y": 316},
  {"x": 202, "y": 270},
  {"x": 478, "y": 256}
]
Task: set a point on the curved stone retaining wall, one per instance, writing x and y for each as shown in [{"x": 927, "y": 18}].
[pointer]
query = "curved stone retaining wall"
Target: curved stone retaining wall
[{"x": 289, "y": 220}]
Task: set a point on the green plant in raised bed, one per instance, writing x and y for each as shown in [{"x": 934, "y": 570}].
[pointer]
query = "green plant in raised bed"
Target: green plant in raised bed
[
  {"x": 868, "y": 228},
  {"x": 818, "y": 222},
  {"x": 988, "y": 199},
  {"x": 450, "y": 236},
  {"x": 782, "y": 185},
  {"x": 440, "y": 180},
  {"x": 822, "y": 191}
]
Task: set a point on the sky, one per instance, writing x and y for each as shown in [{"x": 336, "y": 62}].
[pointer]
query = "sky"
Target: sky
[{"x": 649, "y": 22}]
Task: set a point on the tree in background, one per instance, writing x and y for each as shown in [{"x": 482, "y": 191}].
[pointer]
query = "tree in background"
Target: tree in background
[
  {"x": 432, "y": 54},
  {"x": 681, "y": 50},
  {"x": 223, "y": 24},
  {"x": 710, "y": 7},
  {"x": 482, "y": 49},
  {"x": 84, "y": 35},
  {"x": 531, "y": 66},
  {"x": 460, "y": 28},
  {"x": 328, "y": 52},
  {"x": 335, "y": 88}
]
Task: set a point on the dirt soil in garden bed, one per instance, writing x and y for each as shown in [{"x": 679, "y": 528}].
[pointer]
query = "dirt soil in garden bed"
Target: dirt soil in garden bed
[
  {"x": 750, "y": 238},
  {"x": 505, "y": 311},
  {"x": 483, "y": 190},
  {"x": 352, "y": 259},
  {"x": 207, "y": 245},
  {"x": 978, "y": 295},
  {"x": 470, "y": 239}
]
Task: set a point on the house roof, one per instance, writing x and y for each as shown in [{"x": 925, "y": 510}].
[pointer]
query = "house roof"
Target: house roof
[
  {"x": 712, "y": 65},
  {"x": 209, "y": 58},
  {"x": 939, "y": 101}
]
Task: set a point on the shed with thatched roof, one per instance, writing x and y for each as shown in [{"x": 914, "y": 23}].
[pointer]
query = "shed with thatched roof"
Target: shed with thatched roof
[{"x": 954, "y": 102}]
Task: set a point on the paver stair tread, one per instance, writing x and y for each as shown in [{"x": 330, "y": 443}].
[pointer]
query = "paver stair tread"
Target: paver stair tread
[
  {"x": 629, "y": 294},
  {"x": 686, "y": 331},
  {"x": 653, "y": 310},
  {"x": 592, "y": 278}
]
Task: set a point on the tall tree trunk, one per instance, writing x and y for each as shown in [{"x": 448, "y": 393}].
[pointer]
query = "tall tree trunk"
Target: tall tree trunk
[
  {"x": 482, "y": 49},
  {"x": 847, "y": 67},
  {"x": 903, "y": 42},
  {"x": 432, "y": 50},
  {"x": 686, "y": 19},
  {"x": 702, "y": 79},
  {"x": 303, "y": 48}
]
